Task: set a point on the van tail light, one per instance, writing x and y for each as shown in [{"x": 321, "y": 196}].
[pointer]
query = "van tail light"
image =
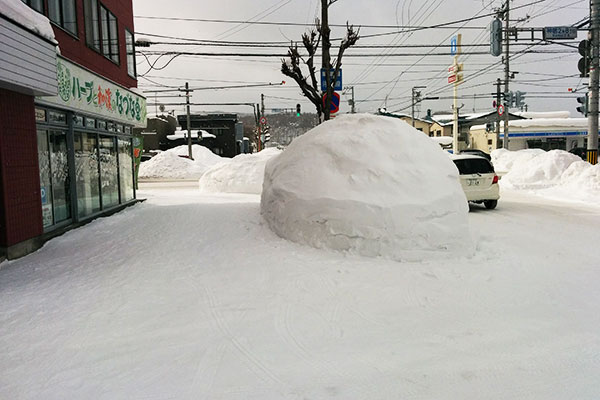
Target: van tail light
[{"x": 495, "y": 179}]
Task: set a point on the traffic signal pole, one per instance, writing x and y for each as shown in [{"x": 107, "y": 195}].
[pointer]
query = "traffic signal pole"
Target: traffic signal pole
[
  {"x": 506, "y": 72},
  {"x": 592, "y": 144}
]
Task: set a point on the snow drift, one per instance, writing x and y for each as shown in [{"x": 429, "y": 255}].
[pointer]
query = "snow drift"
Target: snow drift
[
  {"x": 242, "y": 174},
  {"x": 369, "y": 185},
  {"x": 533, "y": 169},
  {"x": 168, "y": 164},
  {"x": 556, "y": 174}
]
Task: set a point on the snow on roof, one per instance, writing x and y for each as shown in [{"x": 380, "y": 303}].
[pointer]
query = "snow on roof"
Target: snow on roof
[
  {"x": 20, "y": 13},
  {"x": 182, "y": 134},
  {"x": 544, "y": 114},
  {"x": 542, "y": 123},
  {"x": 442, "y": 140}
]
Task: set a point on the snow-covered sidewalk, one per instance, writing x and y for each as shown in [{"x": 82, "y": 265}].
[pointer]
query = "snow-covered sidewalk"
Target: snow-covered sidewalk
[{"x": 191, "y": 296}]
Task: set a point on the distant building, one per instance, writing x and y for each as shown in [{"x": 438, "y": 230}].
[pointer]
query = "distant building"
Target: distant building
[
  {"x": 536, "y": 133},
  {"x": 227, "y": 129}
]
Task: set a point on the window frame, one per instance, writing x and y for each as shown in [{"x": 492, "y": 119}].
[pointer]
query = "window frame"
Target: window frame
[
  {"x": 61, "y": 23},
  {"x": 105, "y": 37},
  {"x": 42, "y": 11},
  {"x": 89, "y": 24},
  {"x": 127, "y": 59}
]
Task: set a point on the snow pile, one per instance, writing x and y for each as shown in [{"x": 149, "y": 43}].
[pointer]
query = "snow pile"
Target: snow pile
[
  {"x": 17, "y": 11},
  {"x": 504, "y": 160},
  {"x": 243, "y": 174},
  {"x": 369, "y": 185},
  {"x": 534, "y": 169},
  {"x": 555, "y": 174},
  {"x": 168, "y": 164}
]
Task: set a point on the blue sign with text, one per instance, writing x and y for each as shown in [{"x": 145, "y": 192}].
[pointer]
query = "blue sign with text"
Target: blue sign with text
[{"x": 338, "y": 81}]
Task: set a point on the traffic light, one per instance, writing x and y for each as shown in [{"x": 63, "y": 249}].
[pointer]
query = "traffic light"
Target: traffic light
[
  {"x": 509, "y": 99},
  {"x": 585, "y": 50},
  {"x": 297, "y": 110},
  {"x": 520, "y": 99},
  {"x": 496, "y": 37},
  {"x": 583, "y": 108}
]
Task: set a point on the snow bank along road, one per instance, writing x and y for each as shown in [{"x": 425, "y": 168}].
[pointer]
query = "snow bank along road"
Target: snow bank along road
[{"x": 190, "y": 296}]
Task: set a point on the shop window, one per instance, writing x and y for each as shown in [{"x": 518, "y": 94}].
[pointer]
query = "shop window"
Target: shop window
[
  {"x": 37, "y": 5},
  {"x": 130, "y": 53},
  {"x": 45, "y": 184},
  {"x": 92, "y": 24},
  {"x": 109, "y": 172},
  {"x": 64, "y": 14},
  {"x": 87, "y": 175},
  {"x": 54, "y": 177},
  {"x": 109, "y": 32},
  {"x": 126, "y": 170}
]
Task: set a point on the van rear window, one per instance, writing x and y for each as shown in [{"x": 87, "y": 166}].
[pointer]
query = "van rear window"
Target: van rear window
[{"x": 474, "y": 166}]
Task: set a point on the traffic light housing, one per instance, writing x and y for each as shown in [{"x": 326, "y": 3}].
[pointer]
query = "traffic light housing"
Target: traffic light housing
[
  {"x": 297, "y": 110},
  {"x": 509, "y": 99},
  {"x": 520, "y": 99},
  {"x": 496, "y": 37},
  {"x": 585, "y": 50},
  {"x": 583, "y": 108}
]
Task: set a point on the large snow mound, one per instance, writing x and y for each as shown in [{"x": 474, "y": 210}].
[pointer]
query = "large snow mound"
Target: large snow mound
[
  {"x": 534, "y": 169},
  {"x": 369, "y": 185},
  {"x": 169, "y": 165},
  {"x": 243, "y": 174},
  {"x": 555, "y": 174}
]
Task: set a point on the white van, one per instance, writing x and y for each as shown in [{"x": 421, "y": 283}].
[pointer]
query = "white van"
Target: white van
[{"x": 478, "y": 179}]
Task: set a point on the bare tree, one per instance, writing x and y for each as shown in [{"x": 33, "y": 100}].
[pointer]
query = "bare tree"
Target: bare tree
[{"x": 291, "y": 66}]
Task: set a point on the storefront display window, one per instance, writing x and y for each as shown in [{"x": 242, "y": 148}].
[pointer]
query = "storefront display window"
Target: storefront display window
[
  {"x": 45, "y": 184},
  {"x": 87, "y": 175},
  {"x": 59, "y": 167},
  {"x": 126, "y": 170},
  {"x": 109, "y": 172}
]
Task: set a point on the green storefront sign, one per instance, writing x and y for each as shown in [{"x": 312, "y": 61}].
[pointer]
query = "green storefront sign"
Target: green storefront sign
[{"x": 87, "y": 92}]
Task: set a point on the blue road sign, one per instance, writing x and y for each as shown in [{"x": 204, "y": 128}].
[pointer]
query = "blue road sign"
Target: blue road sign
[
  {"x": 338, "y": 81},
  {"x": 454, "y": 45}
]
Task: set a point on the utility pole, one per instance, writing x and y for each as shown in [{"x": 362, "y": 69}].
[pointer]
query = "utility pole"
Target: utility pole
[
  {"x": 416, "y": 95},
  {"x": 187, "y": 103},
  {"x": 352, "y": 109},
  {"x": 258, "y": 130},
  {"x": 592, "y": 144},
  {"x": 498, "y": 99},
  {"x": 326, "y": 60},
  {"x": 506, "y": 71},
  {"x": 262, "y": 104}
]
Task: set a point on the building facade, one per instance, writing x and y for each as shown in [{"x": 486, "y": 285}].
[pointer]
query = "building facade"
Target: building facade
[
  {"x": 66, "y": 153},
  {"x": 227, "y": 129}
]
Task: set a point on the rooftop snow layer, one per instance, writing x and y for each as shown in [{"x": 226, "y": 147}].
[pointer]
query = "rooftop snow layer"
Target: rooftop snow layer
[{"x": 20, "y": 13}]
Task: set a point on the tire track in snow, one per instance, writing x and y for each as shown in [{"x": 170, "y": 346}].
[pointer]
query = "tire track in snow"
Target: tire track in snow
[{"x": 261, "y": 369}]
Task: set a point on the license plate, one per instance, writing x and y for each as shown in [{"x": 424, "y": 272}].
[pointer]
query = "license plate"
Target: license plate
[{"x": 473, "y": 182}]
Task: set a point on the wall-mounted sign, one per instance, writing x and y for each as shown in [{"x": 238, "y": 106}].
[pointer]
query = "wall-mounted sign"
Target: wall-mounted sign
[{"x": 89, "y": 93}]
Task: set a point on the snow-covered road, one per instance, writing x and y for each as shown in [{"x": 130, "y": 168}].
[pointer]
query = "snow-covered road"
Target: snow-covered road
[{"x": 191, "y": 296}]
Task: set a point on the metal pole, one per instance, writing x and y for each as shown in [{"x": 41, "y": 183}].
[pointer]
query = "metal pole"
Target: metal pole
[
  {"x": 187, "y": 102},
  {"x": 455, "y": 123},
  {"x": 506, "y": 74},
  {"x": 258, "y": 142},
  {"x": 352, "y": 109},
  {"x": 498, "y": 98},
  {"x": 592, "y": 144},
  {"x": 413, "y": 107},
  {"x": 326, "y": 60}
]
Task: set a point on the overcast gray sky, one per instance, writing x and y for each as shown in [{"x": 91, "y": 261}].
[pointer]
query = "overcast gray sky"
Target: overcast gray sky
[{"x": 391, "y": 75}]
